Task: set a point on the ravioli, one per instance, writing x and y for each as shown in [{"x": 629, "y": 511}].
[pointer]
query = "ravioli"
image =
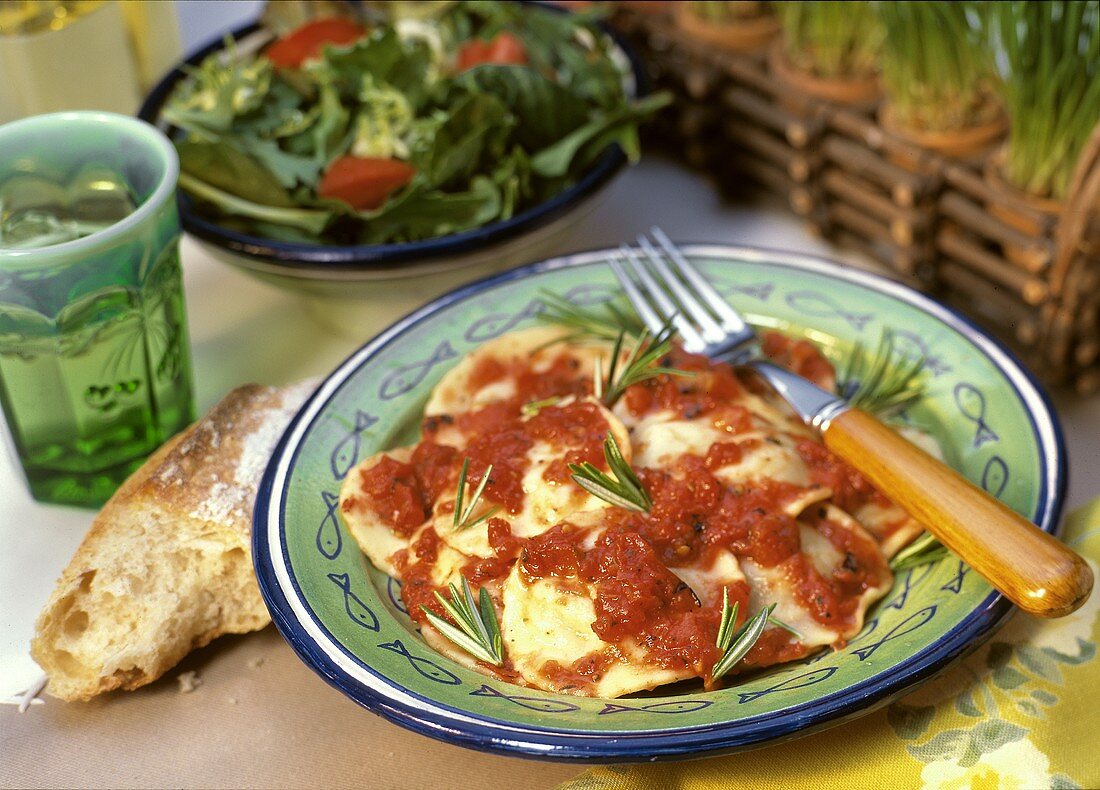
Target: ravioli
[
  {"x": 593, "y": 599},
  {"x": 531, "y": 360}
]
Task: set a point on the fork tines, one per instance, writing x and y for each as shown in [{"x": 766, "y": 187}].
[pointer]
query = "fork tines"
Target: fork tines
[{"x": 666, "y": 286}]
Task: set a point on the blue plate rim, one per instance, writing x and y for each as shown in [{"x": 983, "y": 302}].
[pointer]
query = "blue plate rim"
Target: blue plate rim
[
  {"x": 383, "y": 257},
  {"x": 489, "y": 734}
]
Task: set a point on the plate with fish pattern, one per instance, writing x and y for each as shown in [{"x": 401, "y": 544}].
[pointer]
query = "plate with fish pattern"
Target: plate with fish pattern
[{"x": 346, "y": 619}]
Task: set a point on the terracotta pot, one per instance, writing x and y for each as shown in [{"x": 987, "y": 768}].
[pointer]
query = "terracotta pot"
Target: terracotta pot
[
  {"x": 966, "y": 143},
  {"x": 1025, "y": 256},
  {"x": 850, "y": 92},
  {"x": 751, "y": 34},
  {"x": 647, "y": 6}
]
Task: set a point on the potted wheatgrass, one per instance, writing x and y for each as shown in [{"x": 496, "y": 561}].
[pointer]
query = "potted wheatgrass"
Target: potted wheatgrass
[
  {"x": 939, "y": 78},
  {"x": 1049, "y": 57},
  {"x": 829, "y": 50},
  {"x": 739, "y": 25}
]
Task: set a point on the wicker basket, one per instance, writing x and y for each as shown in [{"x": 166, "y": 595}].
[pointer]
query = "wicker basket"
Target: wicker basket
[{"x": 949, "y": 227}]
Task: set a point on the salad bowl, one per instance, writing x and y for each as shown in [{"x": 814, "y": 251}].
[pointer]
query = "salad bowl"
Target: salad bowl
[
  {"x": 346, "y": 619},
  {"x": 428, "y": 266}
]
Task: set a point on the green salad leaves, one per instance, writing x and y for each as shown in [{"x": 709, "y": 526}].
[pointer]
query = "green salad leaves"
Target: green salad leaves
[{"x": 281, "y": 151}]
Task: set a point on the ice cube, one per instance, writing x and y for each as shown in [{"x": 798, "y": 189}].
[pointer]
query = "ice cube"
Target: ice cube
[
  {"x": 99, "y": 194},
  {"x": 29, "y": 229},
  {"x": 27, "y": 191}
]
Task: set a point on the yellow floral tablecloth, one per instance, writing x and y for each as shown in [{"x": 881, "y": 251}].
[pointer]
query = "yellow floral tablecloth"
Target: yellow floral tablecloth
[{"x": 1021, "y": 712}]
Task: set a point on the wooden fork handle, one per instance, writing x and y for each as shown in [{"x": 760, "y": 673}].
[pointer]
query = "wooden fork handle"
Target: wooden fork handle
[{"x": 1032, "y": 568}]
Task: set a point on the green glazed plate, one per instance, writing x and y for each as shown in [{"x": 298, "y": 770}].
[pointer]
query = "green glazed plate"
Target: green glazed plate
[{"x": 346, "y": 620}]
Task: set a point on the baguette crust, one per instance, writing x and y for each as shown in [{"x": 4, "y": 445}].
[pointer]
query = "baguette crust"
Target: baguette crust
[{"x": 167, "y": 566}]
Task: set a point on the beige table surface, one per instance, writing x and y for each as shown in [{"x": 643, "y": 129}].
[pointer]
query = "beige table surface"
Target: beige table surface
[{"x": 261, "y": 718}]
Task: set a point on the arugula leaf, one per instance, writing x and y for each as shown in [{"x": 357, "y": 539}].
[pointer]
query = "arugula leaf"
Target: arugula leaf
[
  {"x": 513, "y": 176},
  {"x": 279, "y": 115},
  {"x": 582, "y": 145},
  {"x": 329, "y": 134},
  {"x": 474, "y": 132},
  {"x": 286, "y": 168},
  {"x": 385, "y": 58},
  {"x": 420, "y": 213},
  {"x": 232, "y": 171},
  {"x": 569, "y": 47},
  {"x": 486, "y": 143},
  {"x": 544, "y": 112},
  {"x": 311, "y": 220}
]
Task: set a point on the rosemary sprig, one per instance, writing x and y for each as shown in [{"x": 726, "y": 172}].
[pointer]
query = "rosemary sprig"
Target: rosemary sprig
[
  {"x": 463, "y": 514},
  {"x": 597, "y": 322},
  {"x": 478, "y": 632},
  {"x": 922, "y": 551},
  {"x": 888, "y": 382},
  {"x": 772, "y": 620},
  {"x": 535, "y": 406},
  {"x": 624, "y": 490},
  {"x": 735, "y": 644},
  {"x": 640, "y": 364}
]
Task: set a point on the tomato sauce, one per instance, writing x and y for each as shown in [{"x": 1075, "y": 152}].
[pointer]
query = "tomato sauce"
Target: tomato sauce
[
  {"x": 481, "y": 570},
  {"x": 710, "y": 388},
  {"x": 637, "y": 597},
  {"x": 851, "y": 490},
  {"x": 560, "y": 378},
  {"x": 775, "y": 646},
  {"x": 583, "y": 673},
  {"x": 502, "y": 436},
  {"x": 801, "y": 356},
  {"x": 394, "y": 493},
  {"x": 414, "y": 566},
  {"x": 640, "y": 604}
]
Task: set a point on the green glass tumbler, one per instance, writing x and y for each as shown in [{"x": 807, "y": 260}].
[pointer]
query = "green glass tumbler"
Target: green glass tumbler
[{"x": 95, "y": 364}]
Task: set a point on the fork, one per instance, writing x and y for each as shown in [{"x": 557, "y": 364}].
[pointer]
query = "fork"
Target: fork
[{"x": 1030, "y": 567}]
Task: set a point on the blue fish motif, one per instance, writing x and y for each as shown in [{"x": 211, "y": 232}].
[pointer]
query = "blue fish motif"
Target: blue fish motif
[
  {"x": 906, "y": 626},
  {"x": 674, "y": 706},
  {"x": 971, "y": 403},
  {"x": 393, "y": 590},
  {"x": 956, "y": 584},
  {"x": 913, "y": 346},
  {"x": 531, "y": 703},
  {"x": 496, "y": 324},
  {"x": 909, "y": 582},
  {"x": 868, "y": 629},
  {"x": 590, "y": 294},
  {"x": 346, "y": 452},
  {"x": 995, "y": 475},
  {"x": 761, "y": 291},
  {"x": 797, "y": 682},
  {"x": 819, "y": 656},
  {"x": 426, "y": 668},
  {"x": 822, "y": 306},
  {"x": 329, "y": 539},
  {"x": 398, "y": 382},
  {"x": 358, "y": 611}
]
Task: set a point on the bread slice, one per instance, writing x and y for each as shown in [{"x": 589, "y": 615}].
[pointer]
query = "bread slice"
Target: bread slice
[{"x": 167, "y": 564}]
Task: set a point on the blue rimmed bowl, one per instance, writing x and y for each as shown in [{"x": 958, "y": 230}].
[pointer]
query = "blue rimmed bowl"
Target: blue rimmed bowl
[
  {"x": 371, "y": 272},
  {"x": 346, "y": 620}
]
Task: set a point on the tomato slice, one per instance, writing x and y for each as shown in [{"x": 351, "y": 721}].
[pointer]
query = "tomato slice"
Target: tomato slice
[
  {"x": 305, "y": 42},
  {"x": 364, "y": 183},
  {"x": 502, "y": 50}
]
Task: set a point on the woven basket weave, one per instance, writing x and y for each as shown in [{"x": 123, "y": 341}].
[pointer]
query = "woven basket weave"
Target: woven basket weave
[{"x": 950, "y": 227}]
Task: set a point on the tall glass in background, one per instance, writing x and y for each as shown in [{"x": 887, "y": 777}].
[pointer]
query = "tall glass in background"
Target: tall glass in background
[
  {"x": 71, "y": 55},
  {"x": 95, "y": 369}
]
